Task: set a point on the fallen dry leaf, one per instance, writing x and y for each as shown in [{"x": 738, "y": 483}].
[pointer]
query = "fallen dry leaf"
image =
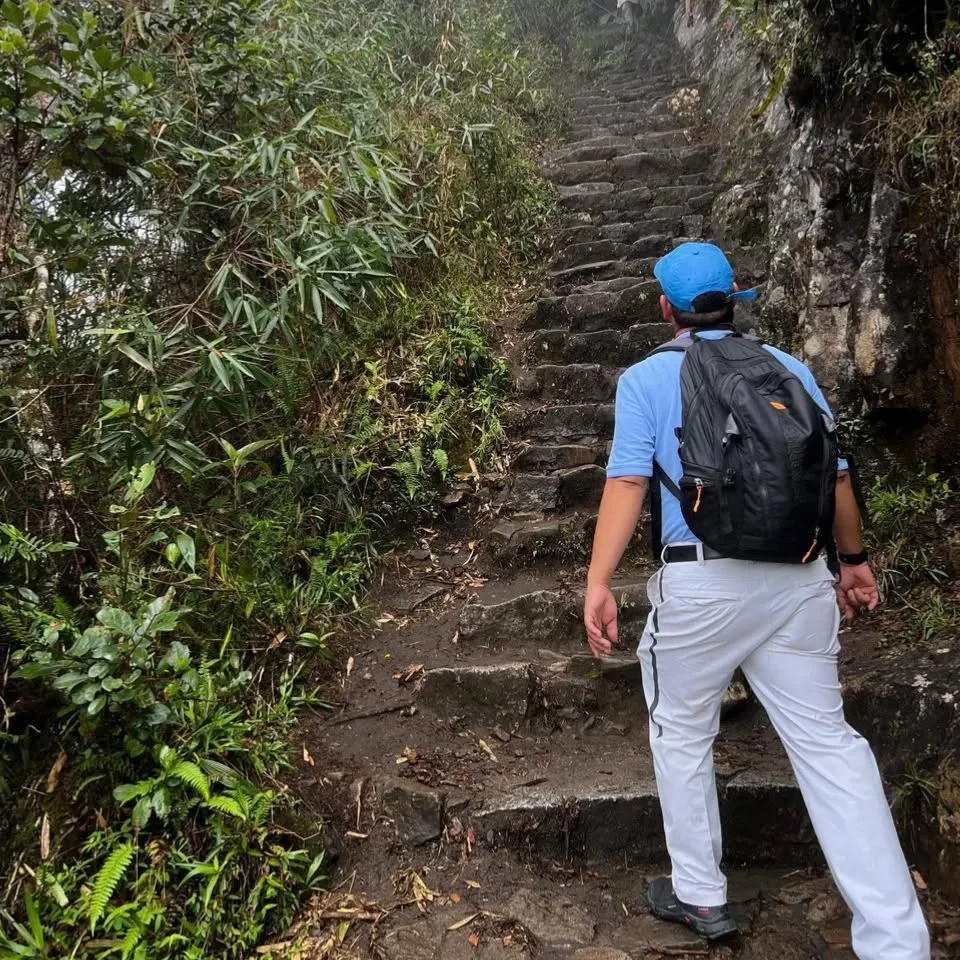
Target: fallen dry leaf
[
  {"x": 485, "y": 747},
  {"x": 473, "y": 884},
  {"x": 306, "y": 756},
  {"x": 357, "y": 790},
  {"x": 349, "y": 666},
  {"x": 409, "y": 674},
  {"x": 507, "y": 941},
  {"x": 45, "y": 837},
  {"x": 53, "y": 777},
  {"x": 101, "y": 821},
  {"x": 473, "y": 940},
  {"x": 462, "y": 923},
  {"x": 409, "y": 755},
  {"x": 455, "y": 898},
  {"x": 277, "y": 640},
  {"x": 918, "y": 880},
  {"x": 410, "y": 882},
  {"x": 356, "y": 835}
]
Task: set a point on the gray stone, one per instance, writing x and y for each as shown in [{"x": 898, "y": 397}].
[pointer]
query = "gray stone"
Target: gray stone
[
  {"x": 740, "y": 214},
  {"x": 526, "y": 381},
  {"x": 556, "y": 457},
  {"x": 563, "y": 692},
  {"x": 653, "y": 245},
  {"x": 635, "y": 199},
  {"x": 551, "y": 919},
  {"x": 693, "y": 225},
  {"x": 534, "y": 492},
  {"x": 566, "y": 174},
  {"x": 416, "y": 811},
  {"x": 573, "y": 381},
  {"x": 497, "y": 694},
  {"x": 649, "y": 933},
  {"x": 589, "y": 252},
  {"x": 568, "y": 422},
  {"x": 542, "y": 616},
  {"x": 581, "y": 487}
]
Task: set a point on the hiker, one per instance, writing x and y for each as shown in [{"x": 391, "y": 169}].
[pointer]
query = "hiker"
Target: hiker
[{"x": 737, "y": 447}]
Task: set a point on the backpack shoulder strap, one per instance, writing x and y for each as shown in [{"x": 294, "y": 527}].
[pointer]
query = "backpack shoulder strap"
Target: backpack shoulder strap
[
  {"x": 660, "y": 474},
  {"x": 674, "y": 346}
]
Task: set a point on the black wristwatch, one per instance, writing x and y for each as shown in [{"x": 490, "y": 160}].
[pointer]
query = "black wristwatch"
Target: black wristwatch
[{"x": 853, "y": 559}]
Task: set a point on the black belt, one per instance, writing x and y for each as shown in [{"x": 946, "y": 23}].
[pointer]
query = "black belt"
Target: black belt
[{"x": 689, "y": 553}]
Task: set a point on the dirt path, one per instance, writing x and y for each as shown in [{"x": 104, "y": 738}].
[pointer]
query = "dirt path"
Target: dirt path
[{"x": 492, "y": 783}]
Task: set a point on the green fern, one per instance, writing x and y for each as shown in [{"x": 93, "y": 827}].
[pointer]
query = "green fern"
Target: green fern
[
  {"x": 130, "y": 942},
  {"x": 9, "y": 456},
  {"x": 227, "y": 805},
  {"x": 441, "y": 461},
  {"x": 110, "y": 875},
  {"x": 188, "y": 772}
]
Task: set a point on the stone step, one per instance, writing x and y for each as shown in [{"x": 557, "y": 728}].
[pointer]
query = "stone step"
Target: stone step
[
  {"x": 507, "y": 614},
  {"x": 569, "y": 382},
  {"x": 625, "y": 231},
  {"x": 533, "y": 457},
  {"x": 654, "y": 167},
  {"x": 576, "y": 488},
  {"x": 608, "y": 147},
  {"x": 573, "y": 423},
  {"x": 696, "y": 197},
  {"x": 650, "y": 244},
  {"x": 620, "y": 348},
  {"x": 624, "y": 205},
  {"x": 549, "y": 690},
  {"x": 599, "y": 809},
  {"x": 585, "y": 127},
  {"x": 632, "y": 87},
  {"x": 625, "y": 274},
  {"x": 639, "y": 303},
  {"x": 516, "y": 542},
  {"x": 615, "y": 276},
  {"x": 587, "y": 198}
]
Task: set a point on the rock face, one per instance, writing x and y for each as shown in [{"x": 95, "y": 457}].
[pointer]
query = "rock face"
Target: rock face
[{"x": 830, "y": 240}]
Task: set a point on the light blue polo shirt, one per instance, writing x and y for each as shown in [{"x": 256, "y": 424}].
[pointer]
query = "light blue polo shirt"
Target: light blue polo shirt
[{"x": 648, "y": 414}]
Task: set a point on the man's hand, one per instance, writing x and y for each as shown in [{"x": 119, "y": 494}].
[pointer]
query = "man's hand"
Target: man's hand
[
  {"x": 856, "y": 589},
  {"x": 600, "y": 619}
]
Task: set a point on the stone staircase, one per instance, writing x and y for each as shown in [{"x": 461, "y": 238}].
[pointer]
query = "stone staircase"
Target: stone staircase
[
  {"x": 634, "y": 179},
  {"x": 483, "y": 749}
]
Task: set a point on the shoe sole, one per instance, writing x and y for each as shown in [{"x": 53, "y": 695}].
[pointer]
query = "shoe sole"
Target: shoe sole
[{"x": 715, "y": 931}]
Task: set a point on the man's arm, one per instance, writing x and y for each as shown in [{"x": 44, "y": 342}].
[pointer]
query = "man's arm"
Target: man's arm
[
  {"x": 617, "y": 520},
  {"x": 857, "y": 586}
]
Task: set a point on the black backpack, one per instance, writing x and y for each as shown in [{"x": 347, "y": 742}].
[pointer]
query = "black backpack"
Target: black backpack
[{"x": 759, "y": 455}]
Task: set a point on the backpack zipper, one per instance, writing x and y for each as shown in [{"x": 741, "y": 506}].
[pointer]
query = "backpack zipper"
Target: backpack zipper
[
  {"x": 813, "y": 546},
  {"x": 699, "y": 485}
]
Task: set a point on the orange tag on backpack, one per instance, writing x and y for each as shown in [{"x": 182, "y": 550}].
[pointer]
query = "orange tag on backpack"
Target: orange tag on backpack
[{"x": 777, "y": 406}]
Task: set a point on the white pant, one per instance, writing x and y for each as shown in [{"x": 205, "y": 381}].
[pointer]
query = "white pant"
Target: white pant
[{"x": 779, "y": 622}]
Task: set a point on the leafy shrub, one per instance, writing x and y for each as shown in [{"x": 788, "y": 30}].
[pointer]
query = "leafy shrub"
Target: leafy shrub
[{"x": 252, "y": 259}]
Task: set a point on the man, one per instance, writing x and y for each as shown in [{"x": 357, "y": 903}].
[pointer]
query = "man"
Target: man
[{"x": 778, "y": 621}]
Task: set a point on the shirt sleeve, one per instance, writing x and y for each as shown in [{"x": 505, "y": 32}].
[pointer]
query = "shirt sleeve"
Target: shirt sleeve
[
  {"x": 634, "y": 431},
  {"x": 813, "y": 388}
]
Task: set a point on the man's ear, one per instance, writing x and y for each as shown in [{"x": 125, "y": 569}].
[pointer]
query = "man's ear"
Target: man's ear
[{"x": 666, "y": 309}]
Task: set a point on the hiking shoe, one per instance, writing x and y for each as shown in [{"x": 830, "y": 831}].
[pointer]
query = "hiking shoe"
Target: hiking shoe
[{"x": 710, "y": 922}]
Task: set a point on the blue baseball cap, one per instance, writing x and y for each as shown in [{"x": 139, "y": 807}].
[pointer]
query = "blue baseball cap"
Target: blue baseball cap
[{"x": 693, "y": 269}]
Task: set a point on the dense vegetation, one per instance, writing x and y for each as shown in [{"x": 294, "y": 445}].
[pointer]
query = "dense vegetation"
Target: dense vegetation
[{"x": 251, "y": 250}]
